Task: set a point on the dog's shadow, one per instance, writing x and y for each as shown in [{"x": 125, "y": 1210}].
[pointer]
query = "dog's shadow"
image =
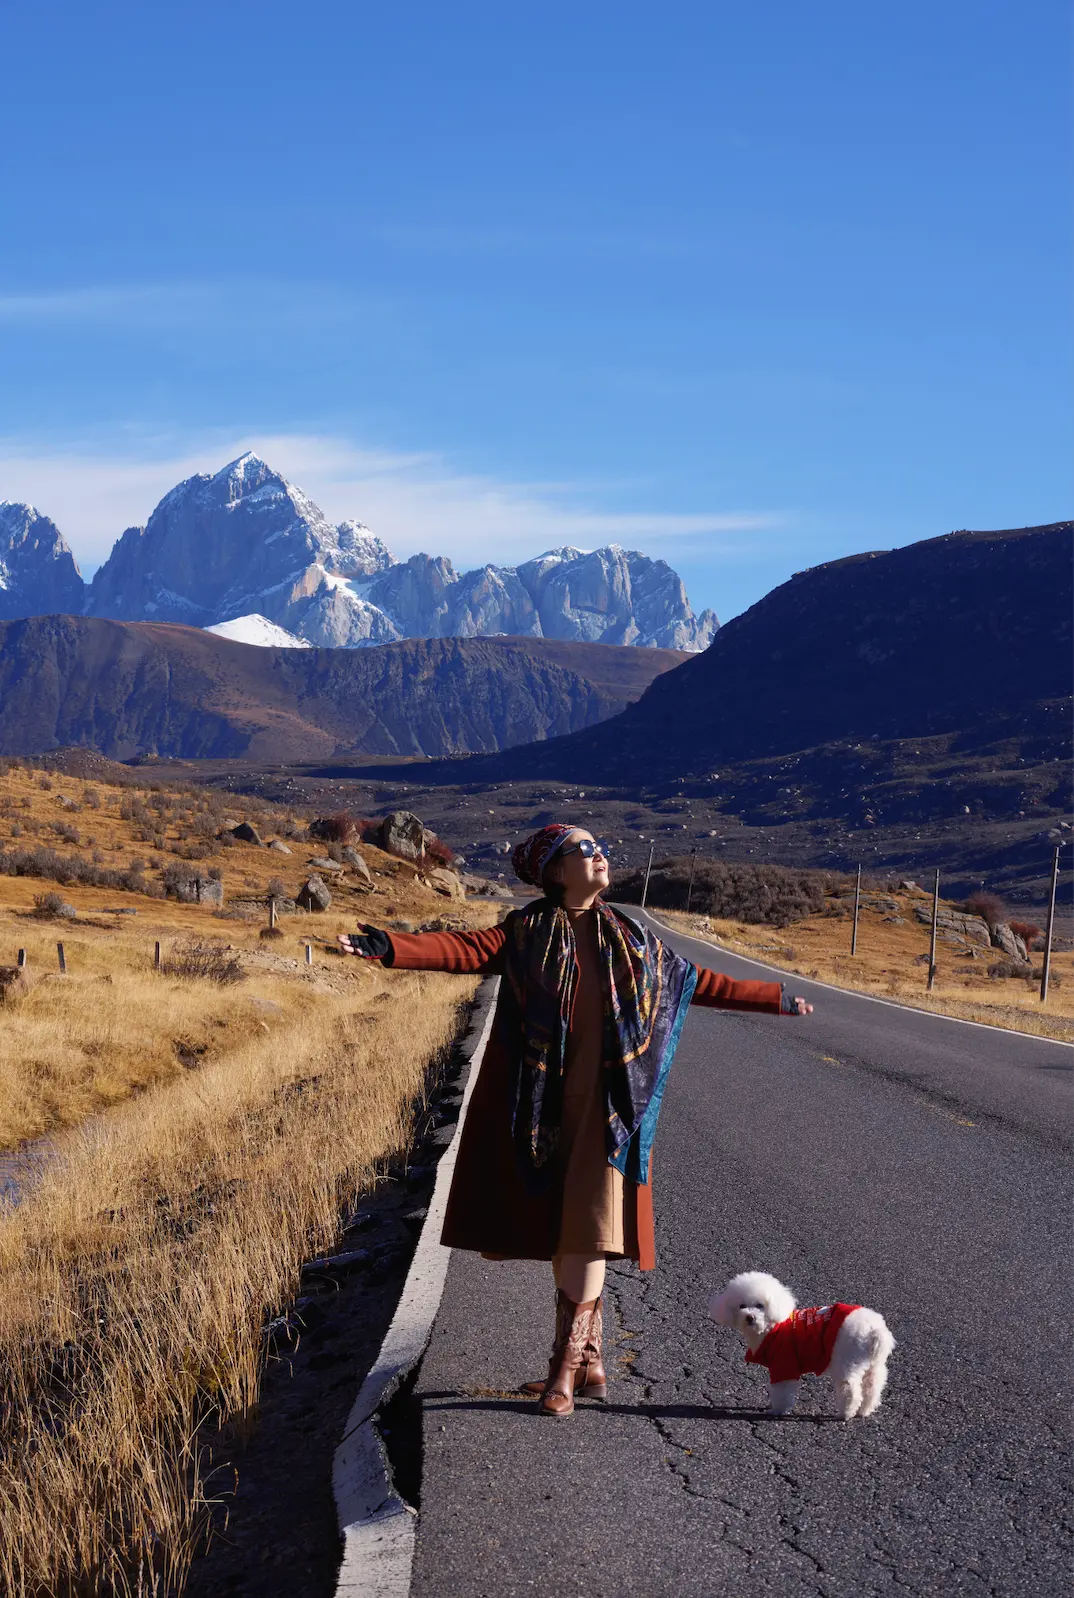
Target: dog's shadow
[{"x": 514, "y": 1403}]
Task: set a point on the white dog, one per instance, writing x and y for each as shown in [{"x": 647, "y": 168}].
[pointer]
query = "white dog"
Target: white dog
[{"x": 853, "y": 1341}]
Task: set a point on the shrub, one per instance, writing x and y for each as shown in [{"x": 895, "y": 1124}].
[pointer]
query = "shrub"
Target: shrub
[
  {"x": 1010, "y": 968},
  {"x": 438, "y": 853},
  {"x": 276, "y": 889},
  {"x": 769, "y": 894},
  {"x": 1028, "y": 931},
  {"x": 48, "y": 906},
  {"x": 989, "y": 906},
  {"x": 41, "y": 862},
  {"x": 199, "y": 957},
  {"x": 340, "y": 828}
]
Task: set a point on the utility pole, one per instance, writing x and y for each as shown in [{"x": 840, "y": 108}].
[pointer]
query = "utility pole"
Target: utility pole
[
  {"x": 857, "y": 903},
  {"x": 1048, "y": 933},
  {"x": 690, "y": 884},
  {"x": 648, "y": 868},
  {"x": 935, "y": 918}
]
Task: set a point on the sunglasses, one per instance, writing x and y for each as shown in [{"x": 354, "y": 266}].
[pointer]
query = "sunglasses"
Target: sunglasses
[{"x": 587, "y": 848}]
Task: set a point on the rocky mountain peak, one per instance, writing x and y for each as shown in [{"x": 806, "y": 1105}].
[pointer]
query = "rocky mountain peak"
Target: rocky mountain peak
[
  {"x": 245, "y": 542},
  {"x": 360, "y": 552},
  {"x": 38, "y": 572}
]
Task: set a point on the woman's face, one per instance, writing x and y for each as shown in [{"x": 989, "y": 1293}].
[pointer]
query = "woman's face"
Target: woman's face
[{"x": 581, "y": 876}]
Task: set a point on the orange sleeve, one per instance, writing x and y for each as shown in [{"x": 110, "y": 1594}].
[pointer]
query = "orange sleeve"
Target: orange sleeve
[
  {"x": 459, "y": 952},
  {"x": 724, "y": 993}
]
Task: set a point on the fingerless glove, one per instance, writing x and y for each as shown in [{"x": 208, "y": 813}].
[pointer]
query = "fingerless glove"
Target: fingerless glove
[{"x": 371, "y": 943}]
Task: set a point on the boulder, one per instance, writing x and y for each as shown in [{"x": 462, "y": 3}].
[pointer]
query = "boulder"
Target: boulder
[
  {"x": 357, "y": 865},
  {"x": 280, "y": 848},
  {"x": 403, "y": 834},
  {"x": 246, "y": 834},
  {"x": 199, "y": 890},
  {"x": 313, "y": 895},
  {"x": 1012, "y": 945},
  {"x": 445, "y": 882},
  {"x": 324, "y": 864}
]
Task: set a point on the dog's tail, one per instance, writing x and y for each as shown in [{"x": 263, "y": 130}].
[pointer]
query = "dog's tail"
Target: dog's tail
[{"x": 876, "y": 1334}]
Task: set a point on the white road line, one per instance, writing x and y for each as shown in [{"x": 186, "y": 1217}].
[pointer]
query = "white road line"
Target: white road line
[
  {"x": 852, "y": 993},
  {"x": 378, "y": 1527}
]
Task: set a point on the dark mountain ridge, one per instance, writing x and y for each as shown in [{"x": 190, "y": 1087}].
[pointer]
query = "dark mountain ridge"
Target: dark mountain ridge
[
  {"x": 130, "y": 689},
  {"x": 967, "y": 635}
]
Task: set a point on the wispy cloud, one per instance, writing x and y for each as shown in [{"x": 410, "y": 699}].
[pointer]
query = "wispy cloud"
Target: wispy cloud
[
  {"x": 165, "y": 306},
  {"x": 414, "y": 501}
]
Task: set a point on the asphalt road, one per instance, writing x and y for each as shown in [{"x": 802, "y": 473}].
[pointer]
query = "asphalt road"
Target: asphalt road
[{"x": 867, "y": 1153}]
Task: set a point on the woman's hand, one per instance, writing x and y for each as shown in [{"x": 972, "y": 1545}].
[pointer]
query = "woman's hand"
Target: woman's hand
[
  {"x": 368, "y": 942},
  {"x": 791, "y": 1004}
]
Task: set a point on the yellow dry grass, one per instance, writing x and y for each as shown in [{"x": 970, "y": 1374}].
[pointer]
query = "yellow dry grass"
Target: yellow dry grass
[
  {"x": 137, "y": 1272},
  {"x": 113, "y": 1027},
  {"x": 203, "y": 1140},
  {"x": 886, "y": 964}
]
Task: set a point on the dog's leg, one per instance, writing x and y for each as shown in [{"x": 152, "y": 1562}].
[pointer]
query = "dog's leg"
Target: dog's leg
[
  {"x": 848, "y": 1393},
  {"x": 782, "y": 1397},
  {"x": 872, "y": 1387}
]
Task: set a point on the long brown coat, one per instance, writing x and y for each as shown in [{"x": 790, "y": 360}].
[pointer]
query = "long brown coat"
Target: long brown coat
[{"x": 489, "y": 1208}]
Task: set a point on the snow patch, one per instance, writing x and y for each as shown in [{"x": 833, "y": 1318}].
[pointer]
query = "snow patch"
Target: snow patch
[{"x": 257, "y": 629}]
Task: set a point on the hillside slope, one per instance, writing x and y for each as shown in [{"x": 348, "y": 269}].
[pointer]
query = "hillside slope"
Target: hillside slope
[
  {"x": 969, "y": 634},
  {"x": 130, "y": 689}
]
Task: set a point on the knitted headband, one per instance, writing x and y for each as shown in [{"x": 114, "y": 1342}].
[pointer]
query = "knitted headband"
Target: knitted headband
[{"x": 531, "y": 856}]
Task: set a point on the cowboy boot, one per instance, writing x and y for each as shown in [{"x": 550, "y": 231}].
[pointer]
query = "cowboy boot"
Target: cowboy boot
[
  {"x": 590, "y": 1379},
  {"x": 573, "y": 1323}
]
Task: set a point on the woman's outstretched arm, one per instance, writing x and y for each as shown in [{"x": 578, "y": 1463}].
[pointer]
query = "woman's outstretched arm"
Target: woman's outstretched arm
[
  {"x": 480, "y": 951},
  {"x": 726, "y": 993}
]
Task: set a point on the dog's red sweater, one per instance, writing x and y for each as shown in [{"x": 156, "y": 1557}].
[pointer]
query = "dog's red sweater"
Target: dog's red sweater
[{"x": 802, "y": 1344}]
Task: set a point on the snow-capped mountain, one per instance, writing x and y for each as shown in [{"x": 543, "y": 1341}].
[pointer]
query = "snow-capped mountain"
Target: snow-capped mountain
[
  {"x": 246, "y": 543},
  {"x": 38, "y": 573}
]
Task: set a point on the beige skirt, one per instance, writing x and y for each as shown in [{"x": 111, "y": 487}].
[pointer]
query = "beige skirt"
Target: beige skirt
[{"x": 593, "y": 1190}]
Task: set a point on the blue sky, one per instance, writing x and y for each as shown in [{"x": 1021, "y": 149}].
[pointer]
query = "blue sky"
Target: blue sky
[{"x": 749, "y": 287}]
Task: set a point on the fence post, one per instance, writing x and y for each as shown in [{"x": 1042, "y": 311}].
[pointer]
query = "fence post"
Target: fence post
[
  {"x": 648, "y": 868},
  {"x": 156, "y": 955},
  {"x": 271, "y": 913},
  {"x": 932, "y": 939},
  {"x": 309, "y": 954},
  {"x": 22, "y": 959},
  {"x": 857, "y": 902},
  {"x": 1048, "y": 934},
  {"x": 62, "y": 959},
  {"x": 690, "y": 884}
]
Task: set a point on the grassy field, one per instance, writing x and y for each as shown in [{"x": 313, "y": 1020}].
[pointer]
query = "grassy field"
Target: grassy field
[
  {"x": 889, "y": 964},
  {"x": 204, "y": 1137}
]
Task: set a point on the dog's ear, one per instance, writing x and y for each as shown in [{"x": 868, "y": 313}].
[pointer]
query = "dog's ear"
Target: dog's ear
[{"x": 720, "y": 1308}]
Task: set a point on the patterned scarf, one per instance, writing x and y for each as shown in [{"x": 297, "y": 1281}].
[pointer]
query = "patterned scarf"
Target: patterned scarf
[{"x": 647, "y": 988}]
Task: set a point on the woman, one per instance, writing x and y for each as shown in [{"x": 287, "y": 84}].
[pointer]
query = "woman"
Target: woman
[{"x": 555, "y": 1157}]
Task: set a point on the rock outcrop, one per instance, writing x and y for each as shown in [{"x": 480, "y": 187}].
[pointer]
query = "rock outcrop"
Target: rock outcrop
[
  {"x": 403, "y": 834},
  {"x": 1003, "y": 937},
  {"x": 38, "y": 573}
]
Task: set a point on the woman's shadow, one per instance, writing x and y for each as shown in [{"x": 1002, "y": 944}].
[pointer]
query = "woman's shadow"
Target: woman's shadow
[{"x": 514, "y": 1403}]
